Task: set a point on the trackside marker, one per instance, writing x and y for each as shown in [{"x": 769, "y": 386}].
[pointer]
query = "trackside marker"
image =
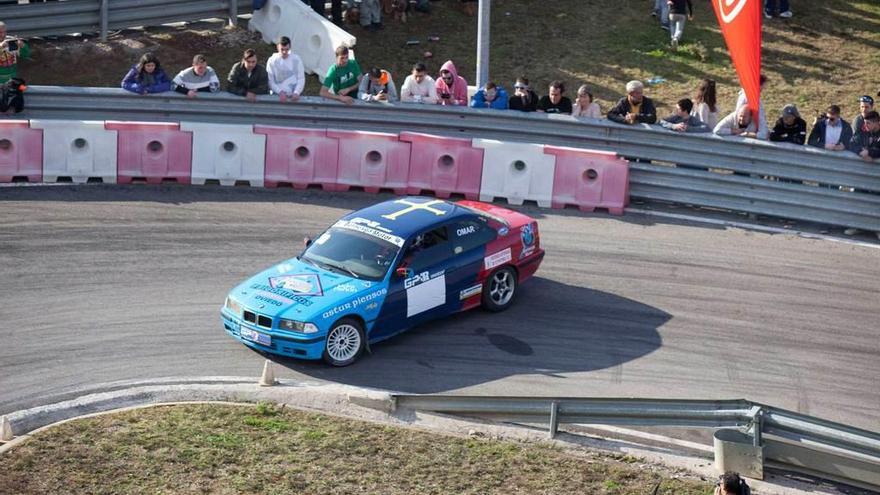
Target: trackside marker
[
  {"x": 5, "y": 430},
  {"x": 268, "y": 378}
]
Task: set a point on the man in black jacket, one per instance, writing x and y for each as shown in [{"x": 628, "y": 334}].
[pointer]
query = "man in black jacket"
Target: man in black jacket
[
  {"x": 790, "y": 128},
  {"x": 866, "y": 143},
  {"x": 830, "y": 131},
  {"x": 248, "y": 78},
  {"x": 634, "y": 107}
]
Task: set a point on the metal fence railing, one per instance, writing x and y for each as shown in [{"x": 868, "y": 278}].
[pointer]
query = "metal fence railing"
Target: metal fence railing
[
  {"x": 744, "y": 175},
  {"x": 778, "y": 438},
  {"x": 99, "y": 16}
]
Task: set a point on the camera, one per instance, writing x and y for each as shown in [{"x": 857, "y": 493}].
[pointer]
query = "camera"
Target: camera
[{"x": 12, "y": 45}]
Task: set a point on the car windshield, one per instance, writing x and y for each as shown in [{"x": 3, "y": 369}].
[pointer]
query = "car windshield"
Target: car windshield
[{"x": 353, "y": 250}]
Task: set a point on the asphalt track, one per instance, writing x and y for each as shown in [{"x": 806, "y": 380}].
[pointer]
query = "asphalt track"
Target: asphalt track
[{"x": 102, "y": 284}]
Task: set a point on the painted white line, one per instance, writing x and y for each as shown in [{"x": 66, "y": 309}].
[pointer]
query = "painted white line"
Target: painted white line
[{"x": 752, "y": 226}]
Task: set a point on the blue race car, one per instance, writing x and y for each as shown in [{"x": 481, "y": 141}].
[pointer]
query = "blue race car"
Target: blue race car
[{"x": 380, "y": 271}]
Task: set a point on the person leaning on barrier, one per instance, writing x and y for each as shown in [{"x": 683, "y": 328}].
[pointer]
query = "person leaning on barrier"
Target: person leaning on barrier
[
  {"x": 866, "y": 104},
  {"x": 584, "y": 106},
  {"x": 146, "y": 77},
  {"x": 248, "y": 78},
  {"x": 731, "y": 483},
  {"x": 342, "y": 78},
  {"x": 634, "y": 107},
  {"x": 419, "y": 87},
  {"x": 705, "y": 103},
  {"x": 830, "y": 131},
  {"x": 377, "y": 85},
  {"x": 682, "y": 120},
  {"x": 286, "y": 72},
  {"x": 490, "y": 96},
  {"x": 740, "y": 123},
  {"x": 452, "y": 89},
  {"x": 523, "y": 99},
  {"x": 790, "y": 127},
  {"x": 866, "y": 142},
  {"x": 554, "y": 101},
  {"x": 11, "y": 50},
  {"x": 199, "y": 78}
]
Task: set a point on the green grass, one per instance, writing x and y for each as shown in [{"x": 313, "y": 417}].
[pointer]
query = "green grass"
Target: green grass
[
  {"x": 228, "y": 449},
  {"x": 827, "y": 53}
]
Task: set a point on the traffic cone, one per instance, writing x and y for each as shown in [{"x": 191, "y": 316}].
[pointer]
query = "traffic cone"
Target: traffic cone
[
  {"x": 5, "y": 430},
  {"x": 268, "y": 378}
]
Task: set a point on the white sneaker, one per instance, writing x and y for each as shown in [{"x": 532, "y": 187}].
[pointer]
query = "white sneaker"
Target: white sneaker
[
  {"x": 674, "y": 44},
  {"x": 787, "y": 14},
  {"x": 851, "y": 231},
  {"x": 768, "y": 16}
]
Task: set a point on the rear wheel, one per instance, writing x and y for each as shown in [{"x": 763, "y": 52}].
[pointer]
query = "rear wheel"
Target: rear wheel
[
  {"x": 345, "y": 342},
  {"x": 500, "y": 289}
]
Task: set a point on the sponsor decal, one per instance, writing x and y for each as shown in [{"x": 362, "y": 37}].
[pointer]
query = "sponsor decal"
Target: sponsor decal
[
  {"x": 280, "y": 294},
  {"x": 304, "y": 284},
  {"x": 503, "y": 231},
  {"x": 427, "y": 294},
  {"x": 463, "y": 231},
  {"x": 285, "y": 267},
  {"x": 729, "y": 9},
  {"x": 369, "y": 230},
  {"x": 496, "y": 259},
  {"x": 345, "y": 288},
  {"x": 354, "y": 303},
  {"x": 411, "y": 207},
  {"x": 527, "y": 235},
  {"x": 272, "y": 299},
  {"x": 420, "y": 278},
  {"x": 371, "y": 306},
  {"x": 470, "y": 292},
  {"x": 322, "y": 239},
  {"x": 526, "y": 252}
]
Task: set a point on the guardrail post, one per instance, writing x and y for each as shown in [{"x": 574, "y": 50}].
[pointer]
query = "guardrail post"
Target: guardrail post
[
  {"x": 757, "y": 428},
  {"x": 233, "y": 12},
  {"x": 554, "y": 419},
  {"x": 105, "y": 21}
]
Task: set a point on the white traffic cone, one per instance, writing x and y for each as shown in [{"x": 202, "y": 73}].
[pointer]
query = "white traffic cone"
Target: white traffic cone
[
  {"x": 5, "y": 430},
  {"x": 268, "y": 378}
]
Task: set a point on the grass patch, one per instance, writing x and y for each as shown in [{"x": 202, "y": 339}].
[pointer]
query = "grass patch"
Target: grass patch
[
  {"x": 216, "y": 449},
  {"x": 827, "y": 53}
]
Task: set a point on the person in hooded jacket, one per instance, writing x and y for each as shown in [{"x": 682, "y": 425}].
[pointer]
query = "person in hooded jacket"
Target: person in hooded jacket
[
  {"x": 451, "y": 88},
  {"x": 491, "y": 96},
  {"x": 146, "y": 77}
]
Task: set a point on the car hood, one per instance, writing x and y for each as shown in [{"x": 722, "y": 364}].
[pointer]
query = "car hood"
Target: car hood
[{"x": 299, "y": 291}]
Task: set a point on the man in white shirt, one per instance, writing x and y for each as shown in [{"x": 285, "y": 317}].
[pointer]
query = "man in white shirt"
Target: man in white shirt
[
  {"x": 286, "y": 72},
  {"x": 742, "y": 101},
  {"x": 419, "y": 87}
]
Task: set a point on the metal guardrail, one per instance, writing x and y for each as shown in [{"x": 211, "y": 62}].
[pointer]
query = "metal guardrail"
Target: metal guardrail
[
  {"x": 783, "y": 439},
  {"x": 736, "y": 174},
  {"x": 99, "y": 16}
]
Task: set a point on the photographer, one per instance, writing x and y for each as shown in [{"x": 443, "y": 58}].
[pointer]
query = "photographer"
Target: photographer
[{"x": 11, "y": 50}]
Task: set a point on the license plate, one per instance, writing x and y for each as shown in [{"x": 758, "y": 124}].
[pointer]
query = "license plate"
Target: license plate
[{"x": 255, "y": 336}]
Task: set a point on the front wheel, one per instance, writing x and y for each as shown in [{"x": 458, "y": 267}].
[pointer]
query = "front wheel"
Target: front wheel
[
  {"x": 500, "y": 289},
  {"x": 344, "y": 344}
]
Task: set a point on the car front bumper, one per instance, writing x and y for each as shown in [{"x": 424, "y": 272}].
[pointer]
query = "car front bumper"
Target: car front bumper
[{"x": 283, "y": 345}]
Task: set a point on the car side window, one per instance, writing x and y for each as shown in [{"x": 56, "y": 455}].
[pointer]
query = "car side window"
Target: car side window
[
  {"x": 428, "y": 249},
  {"x": 471, "y": 233}
]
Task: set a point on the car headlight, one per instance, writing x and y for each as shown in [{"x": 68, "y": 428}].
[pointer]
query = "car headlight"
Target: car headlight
[
  {"x": 297, "y": 326},
  {"x": 233, "y": 305}
]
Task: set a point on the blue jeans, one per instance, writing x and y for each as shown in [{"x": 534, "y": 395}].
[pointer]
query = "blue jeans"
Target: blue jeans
[
  {"x": 662, "y": 10},
  {"x": 770, "y": 6}
]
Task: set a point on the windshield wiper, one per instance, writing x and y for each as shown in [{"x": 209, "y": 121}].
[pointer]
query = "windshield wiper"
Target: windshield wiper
[{"x": 340, "y": 267}]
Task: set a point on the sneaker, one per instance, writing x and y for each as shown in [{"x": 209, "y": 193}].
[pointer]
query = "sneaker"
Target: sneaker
[
  {"x": 674, "y": 44},
  {"x": 787, "y": 14},
  {"x": 767, "y": 15},
  {"x": 851, "y": 231},
  {"x": 664, "y": 26}
]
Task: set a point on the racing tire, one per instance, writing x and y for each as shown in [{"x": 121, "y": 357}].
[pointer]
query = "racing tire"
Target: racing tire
[
  {"x": 500, "y": 289},
  {"x": 345, "y": 343}
]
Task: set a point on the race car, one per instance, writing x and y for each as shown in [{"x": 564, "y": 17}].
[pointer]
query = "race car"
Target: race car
[{"x": 380, "y": 271}]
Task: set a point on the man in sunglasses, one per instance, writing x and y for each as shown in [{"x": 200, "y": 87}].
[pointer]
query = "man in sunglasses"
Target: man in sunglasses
[
  {"x": 451, "y": 88},
  {"x": 866, "y": 104},
  {"x": 830, "y": 131}
]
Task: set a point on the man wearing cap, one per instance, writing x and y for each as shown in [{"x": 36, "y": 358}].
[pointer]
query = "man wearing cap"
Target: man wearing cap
[
  {"x": 866, "y": 104},
  {"x": 790, "y": 128},
  {"x": 830, "y": 131},
  {"x": 634, "y": 107}
]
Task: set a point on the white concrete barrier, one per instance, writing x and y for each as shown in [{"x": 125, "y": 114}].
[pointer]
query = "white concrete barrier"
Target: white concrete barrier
[
  {"x": 227, "y": 153},
  {"x": 516, "y": 172},
  {"x": 78, "y": 149},
  {"x": 312, "y": 36}
]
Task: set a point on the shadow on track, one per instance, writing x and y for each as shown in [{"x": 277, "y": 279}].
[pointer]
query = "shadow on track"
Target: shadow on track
[{"x": 552, "y": 329}]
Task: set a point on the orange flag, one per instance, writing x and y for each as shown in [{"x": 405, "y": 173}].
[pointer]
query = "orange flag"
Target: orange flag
[{"x": 740, "y": 22}]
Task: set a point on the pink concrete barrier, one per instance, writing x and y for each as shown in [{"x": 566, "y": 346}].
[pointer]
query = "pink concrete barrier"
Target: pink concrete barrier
[
  {"x": 300, "y": 157},
  {"x": 372, "y": 160},
  {"x": 443, "y": 165},
  {"x": 589, "y": 180},
  {"x": 153, "y": 151},
  {"x": 21, "y": 151}
]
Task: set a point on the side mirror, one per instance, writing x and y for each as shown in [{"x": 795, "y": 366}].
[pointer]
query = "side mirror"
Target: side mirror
[
  {"x": 404, "y": 272},
  {"x": 307, "y": 241}
]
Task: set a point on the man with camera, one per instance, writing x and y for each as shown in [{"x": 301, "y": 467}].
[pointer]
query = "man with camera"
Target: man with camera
[{"x": 11, "y": 50}]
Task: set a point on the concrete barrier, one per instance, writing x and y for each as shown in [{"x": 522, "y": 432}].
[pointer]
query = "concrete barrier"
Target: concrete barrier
[
  {"x": 21, "y": 151},
  {"x": 226, "y": 153},
  {"x": 443, "y": 165},
  {"x": 77, "y": 149},
  {"x": 152, "y": 151},
  {"x": 516, "y": 172}
]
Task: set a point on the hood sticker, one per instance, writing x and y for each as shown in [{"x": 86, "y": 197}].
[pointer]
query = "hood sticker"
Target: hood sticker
[{"x": 303, "y": 284}]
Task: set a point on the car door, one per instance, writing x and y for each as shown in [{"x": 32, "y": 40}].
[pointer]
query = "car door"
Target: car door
[
  {"x": 422, "y": 294},
  {"x": 468, "y": 237}
]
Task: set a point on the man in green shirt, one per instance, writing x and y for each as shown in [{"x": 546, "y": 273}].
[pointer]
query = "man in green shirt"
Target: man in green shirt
[
  {"x": 11, "y": 50},
  {"x": 342, "y": 78}
]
